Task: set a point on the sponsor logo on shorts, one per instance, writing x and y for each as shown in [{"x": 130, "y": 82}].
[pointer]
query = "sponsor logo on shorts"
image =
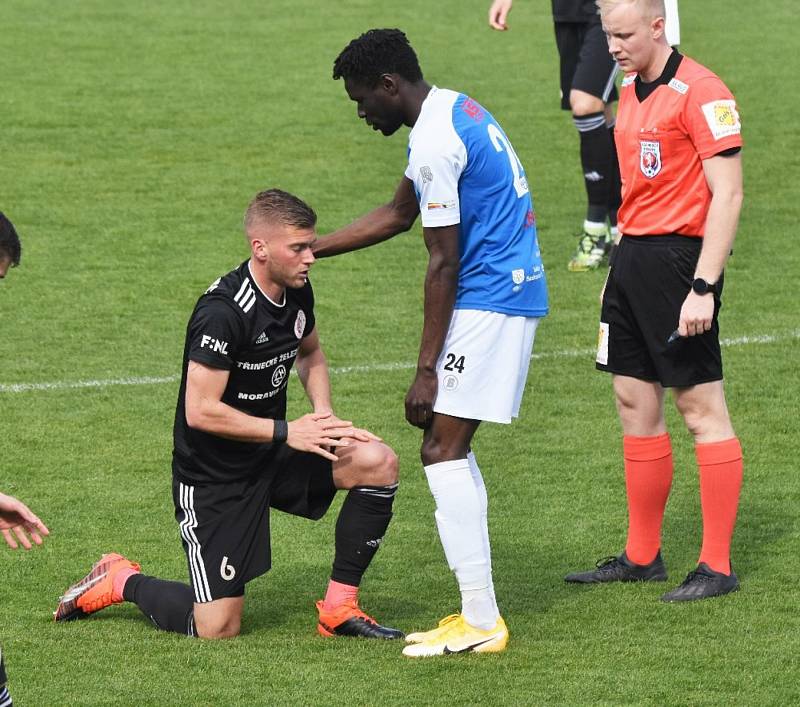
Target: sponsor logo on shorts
[
  {"x": 300, "y": 324},
  {"x": 450, "y": 382},
  {"x": 722, "y": 118},
  {"x": 650, "y": 157},
  {"x": 602, "y": 344},
  {"x": 216, "y": 345}
]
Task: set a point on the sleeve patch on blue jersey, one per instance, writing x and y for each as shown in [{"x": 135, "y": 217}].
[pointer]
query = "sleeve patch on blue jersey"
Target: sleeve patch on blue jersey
[{"x": 473, "y": 110}]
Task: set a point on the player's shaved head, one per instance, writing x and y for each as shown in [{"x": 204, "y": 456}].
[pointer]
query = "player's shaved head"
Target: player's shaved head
[
  {"x": 375, "y": 53},
  {"x": 10, "y": 247},
  {"x": 275, "y": 206},
  {"x": 648, "y": 9}
]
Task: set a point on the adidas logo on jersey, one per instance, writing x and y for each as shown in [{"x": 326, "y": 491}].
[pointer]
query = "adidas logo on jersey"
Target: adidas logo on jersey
[{"x": 263, "y": 339}]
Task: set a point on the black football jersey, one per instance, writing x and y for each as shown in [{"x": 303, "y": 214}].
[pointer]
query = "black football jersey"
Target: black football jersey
[
  {"x": 236, "y": 327},
  {"x": 575, "y": 11}
]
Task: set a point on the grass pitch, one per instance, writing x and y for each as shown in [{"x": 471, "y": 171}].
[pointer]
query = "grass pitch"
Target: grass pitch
[{"x": 133, "y": 136}]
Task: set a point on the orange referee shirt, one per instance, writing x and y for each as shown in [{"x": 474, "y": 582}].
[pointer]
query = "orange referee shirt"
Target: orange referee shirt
[{"x": 662, "y": 141}]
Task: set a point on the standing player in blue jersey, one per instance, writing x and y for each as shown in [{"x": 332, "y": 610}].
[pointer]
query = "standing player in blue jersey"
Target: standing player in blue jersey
[{"x": 485, "y": 292}]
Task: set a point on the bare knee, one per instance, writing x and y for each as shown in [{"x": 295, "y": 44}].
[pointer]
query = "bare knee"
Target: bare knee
[
  {"x": 217, "y": 630},
  {"x": 377, "y": 464},
  {"x": 640, "y": 407},
  {"x": 582, "y": 103},
  {"x": 706, "y": 418},
  {"x": 221, "y": 618},
  {"x": 436, "y": 449}
]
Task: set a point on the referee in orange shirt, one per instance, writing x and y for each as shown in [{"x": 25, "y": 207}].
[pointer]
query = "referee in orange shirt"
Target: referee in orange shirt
[{"x": 678, "y": 137}]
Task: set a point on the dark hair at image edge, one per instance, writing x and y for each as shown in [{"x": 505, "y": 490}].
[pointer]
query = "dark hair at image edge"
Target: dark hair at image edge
[
  {"x": 10, "y": 246},
  {"x": 377, "y": 52}
]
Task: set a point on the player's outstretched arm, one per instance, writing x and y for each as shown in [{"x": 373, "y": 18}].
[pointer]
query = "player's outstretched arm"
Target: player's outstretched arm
[
  {"x": 498, "y": 14},
  {"x": 376, "y": 226},
  {"x": 19, "y": 525},
  {"x": 441, "y": 281}
]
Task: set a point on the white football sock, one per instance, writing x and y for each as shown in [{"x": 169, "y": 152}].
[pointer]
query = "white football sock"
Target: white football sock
[
  {"x": 458, "y": 518},
  {"x": 477, "y": 479}
]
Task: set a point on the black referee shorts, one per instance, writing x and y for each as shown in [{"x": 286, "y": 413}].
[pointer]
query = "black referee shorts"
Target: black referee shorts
[
  {"x": 225, "y": 527},
  {"x": 586, "y": 64},
  {"x": 646, "y": 287}
]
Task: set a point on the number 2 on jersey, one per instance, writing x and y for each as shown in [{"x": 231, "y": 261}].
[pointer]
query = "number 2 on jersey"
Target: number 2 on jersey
[{"x": 502, "y": 145}]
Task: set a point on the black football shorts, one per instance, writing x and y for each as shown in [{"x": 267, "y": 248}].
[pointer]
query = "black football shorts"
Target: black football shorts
[
  {"x": 585, "y": 63},
  {"x": 646, "y": 287},
  {"x": 225, "y": 527}
]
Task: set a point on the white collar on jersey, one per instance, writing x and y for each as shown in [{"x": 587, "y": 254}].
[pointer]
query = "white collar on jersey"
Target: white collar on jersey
[{"x": 255, "y": 282}]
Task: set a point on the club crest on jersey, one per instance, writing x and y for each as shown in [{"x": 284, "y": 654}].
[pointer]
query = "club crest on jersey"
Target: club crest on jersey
[
  {"x": 518, "y": 276},
  {"x": 650, "y": 158},
  {"x": 279, "y": 375},
  {"x": 300, "y": 324}
]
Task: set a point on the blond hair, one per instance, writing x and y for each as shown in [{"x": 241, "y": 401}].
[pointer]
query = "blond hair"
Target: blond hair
[{"x": 649, "y": 9}]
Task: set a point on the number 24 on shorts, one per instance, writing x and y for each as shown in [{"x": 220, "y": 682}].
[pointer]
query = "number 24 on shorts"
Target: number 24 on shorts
[{"x": 454, "y": 362}]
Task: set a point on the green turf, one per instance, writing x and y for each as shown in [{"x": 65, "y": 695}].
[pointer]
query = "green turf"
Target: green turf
[{"x": 133, "y": 136}]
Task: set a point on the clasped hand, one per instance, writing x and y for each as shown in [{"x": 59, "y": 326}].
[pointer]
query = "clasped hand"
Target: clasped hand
[{"x": 321, "y": 433}]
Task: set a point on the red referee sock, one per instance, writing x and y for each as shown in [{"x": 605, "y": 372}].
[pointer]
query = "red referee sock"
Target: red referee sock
[
  {"x": 648, "y": 478},
  {"x": 721, "y": 470}
]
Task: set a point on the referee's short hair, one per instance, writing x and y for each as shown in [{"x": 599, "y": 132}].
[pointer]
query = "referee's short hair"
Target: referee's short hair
[
  {"x": 649, "y": 9},
  {"x": 277, "y": 206},
  {"x": 375, "y": 53},
  {"x": 10, "y": 246}
]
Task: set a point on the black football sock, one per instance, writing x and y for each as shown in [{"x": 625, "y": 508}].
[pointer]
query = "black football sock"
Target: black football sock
[
  {"x": 596, "y": 158},
  {"x": 169, "y": 605},
  {"x": 615, "y": 186},
  {"x": 360, "y": 528}
]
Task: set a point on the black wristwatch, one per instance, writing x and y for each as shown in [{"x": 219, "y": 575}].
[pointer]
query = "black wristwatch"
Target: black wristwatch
[{"x": 702, "y": 287}]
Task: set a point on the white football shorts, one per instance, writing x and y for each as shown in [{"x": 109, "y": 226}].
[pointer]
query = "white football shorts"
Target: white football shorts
[{"x": 484, "y": 365}]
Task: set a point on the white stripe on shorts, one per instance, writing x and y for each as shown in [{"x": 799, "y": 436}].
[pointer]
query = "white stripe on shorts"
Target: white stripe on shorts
[
  {"x": 610, "y": 83},
  {"x": 187, "y": 525}
]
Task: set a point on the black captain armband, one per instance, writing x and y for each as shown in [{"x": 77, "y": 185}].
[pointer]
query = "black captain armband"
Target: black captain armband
[{"x": 280, "y": 431}]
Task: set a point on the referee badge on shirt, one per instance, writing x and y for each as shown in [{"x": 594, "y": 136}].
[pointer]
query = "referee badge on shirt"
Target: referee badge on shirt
[{"x": 650, "y": 158}]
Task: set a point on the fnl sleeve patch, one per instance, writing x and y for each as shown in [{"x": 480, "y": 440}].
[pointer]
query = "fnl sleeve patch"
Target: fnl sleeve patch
[{"x": 722, "y": 118}]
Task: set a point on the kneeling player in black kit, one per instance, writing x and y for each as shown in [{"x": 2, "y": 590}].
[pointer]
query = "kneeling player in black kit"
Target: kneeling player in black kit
[{"x": 236, "y": 456}]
